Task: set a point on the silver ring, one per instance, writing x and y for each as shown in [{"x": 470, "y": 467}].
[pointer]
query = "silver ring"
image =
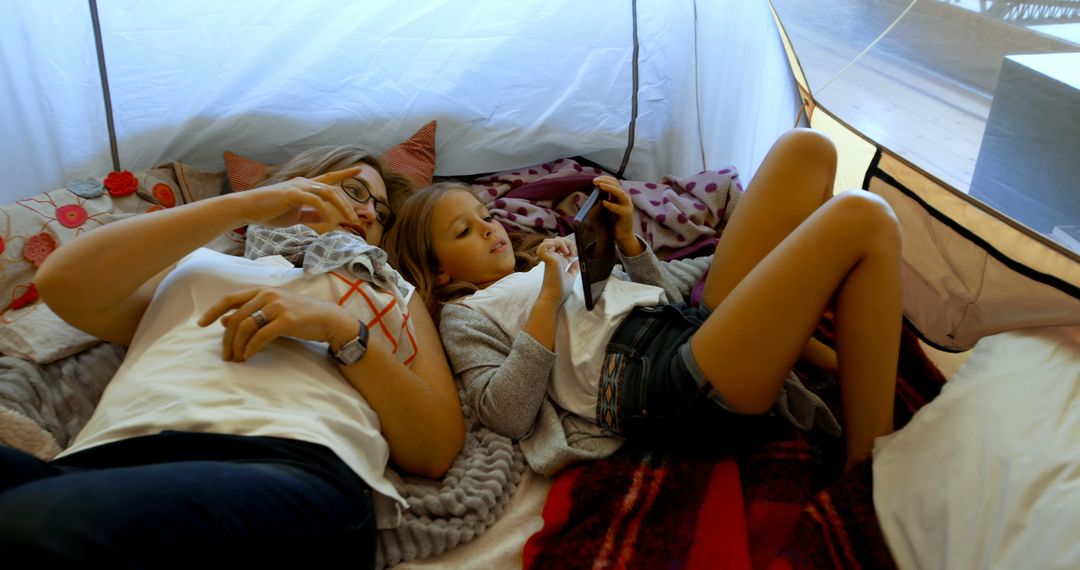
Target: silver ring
[{"x": 260, "y": 318}]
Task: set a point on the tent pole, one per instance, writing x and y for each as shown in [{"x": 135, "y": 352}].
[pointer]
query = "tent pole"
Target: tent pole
[
  {"x": 104, "y": 84},
  {"x": 634, "y": 96}
]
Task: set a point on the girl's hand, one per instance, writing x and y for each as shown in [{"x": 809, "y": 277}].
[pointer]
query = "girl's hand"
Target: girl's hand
[
  {"x": 285, "y": 314},
  {"x": 317, "y": 201},
  {"x": 560, "y": 269},
  {"x": 622, "y": 210}
]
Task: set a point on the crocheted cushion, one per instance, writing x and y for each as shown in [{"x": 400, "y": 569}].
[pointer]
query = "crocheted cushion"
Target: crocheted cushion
[{"x": 32, "y": 228}]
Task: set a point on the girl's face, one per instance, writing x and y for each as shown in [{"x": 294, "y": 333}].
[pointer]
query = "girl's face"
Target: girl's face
[{"x": 468, "y": 243}]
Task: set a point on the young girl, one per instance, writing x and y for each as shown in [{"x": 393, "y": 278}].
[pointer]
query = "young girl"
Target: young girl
[{"x": 642, "y": 363}]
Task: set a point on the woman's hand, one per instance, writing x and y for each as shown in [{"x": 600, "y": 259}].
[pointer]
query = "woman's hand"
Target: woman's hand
[
  {"x": 316, "y": 201},
  {"x": 560, "y": 269},
  {"x": 622, "y": 210},
  {"x": 285, "y": 313}
]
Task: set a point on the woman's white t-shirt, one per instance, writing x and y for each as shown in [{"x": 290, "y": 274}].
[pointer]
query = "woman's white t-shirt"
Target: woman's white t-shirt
[{"x": 173, "y": 376}]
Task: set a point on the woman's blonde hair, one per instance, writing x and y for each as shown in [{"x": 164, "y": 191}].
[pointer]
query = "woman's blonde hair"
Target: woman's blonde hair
[
  {"x": 323, "y": 159},
  {"x": 412, "y": 253}
]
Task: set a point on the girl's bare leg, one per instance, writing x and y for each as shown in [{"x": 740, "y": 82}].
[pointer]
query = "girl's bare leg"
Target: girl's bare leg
[
  {"x": 847, "y": 251},
  {"x": 794, "y": 180},
  {"x": 762, "y": 338}
]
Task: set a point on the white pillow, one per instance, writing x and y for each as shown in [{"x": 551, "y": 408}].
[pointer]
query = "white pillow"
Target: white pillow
[{"x": 987, "y": 475}]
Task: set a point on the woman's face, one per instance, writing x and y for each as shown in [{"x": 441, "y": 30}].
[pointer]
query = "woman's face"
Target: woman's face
[
  {"x": 366, "y": 194},
  {"x": 469, "y": 244}
]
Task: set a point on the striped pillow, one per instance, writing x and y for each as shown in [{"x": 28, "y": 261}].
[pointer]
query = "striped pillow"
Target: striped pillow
[
  {"x": 243, "y": 172},
  {"x": 414, "y": 158}
]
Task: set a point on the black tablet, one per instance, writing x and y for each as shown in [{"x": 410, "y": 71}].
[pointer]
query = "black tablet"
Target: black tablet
[{"x": 595, "y": 242}]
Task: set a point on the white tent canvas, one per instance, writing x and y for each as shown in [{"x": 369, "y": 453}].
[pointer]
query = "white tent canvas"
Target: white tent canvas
[
  {"x": 510, "y": 83},
  {"x": 641, "y": 88}
]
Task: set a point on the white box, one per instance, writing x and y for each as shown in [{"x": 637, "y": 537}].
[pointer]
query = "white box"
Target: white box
[{"x": 1029, "y": 161}]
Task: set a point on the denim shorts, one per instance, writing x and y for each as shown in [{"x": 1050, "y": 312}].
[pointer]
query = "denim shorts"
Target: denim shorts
[{"x": 651, "y": 388}]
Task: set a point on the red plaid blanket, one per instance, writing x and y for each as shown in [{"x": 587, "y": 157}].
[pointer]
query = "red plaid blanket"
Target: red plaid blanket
[{"x": 782, "y": 504}]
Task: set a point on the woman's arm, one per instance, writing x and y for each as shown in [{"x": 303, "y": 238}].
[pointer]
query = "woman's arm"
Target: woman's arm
[
  {"x": 419, "y": 411},
  {"x": 418, "y": 406},
  {"x": 505, "y": 379},
  {"x": 103, "y": 281}
]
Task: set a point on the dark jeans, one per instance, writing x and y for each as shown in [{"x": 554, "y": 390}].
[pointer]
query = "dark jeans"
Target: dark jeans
[{"x": 183, "y": 500}]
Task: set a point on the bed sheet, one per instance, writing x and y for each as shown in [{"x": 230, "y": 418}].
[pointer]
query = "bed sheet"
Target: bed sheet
[{"x": 988, "y": 474}]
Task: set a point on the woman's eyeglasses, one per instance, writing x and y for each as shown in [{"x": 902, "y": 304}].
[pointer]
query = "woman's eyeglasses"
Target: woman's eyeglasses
[{"x": 359, "y": 192}]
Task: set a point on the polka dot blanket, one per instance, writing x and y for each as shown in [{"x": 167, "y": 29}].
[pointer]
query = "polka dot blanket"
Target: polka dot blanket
[{"x": 678, "y": 217}]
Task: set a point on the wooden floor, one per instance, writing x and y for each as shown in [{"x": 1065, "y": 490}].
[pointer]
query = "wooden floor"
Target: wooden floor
[
  {"x": 920, "y": 114},
  {"x": 925, "y": 118}
]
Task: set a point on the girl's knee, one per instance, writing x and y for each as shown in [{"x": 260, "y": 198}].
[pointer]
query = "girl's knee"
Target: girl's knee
[
  {"x": 865, "y": 216},
  {"x": 808, "y": 144}
]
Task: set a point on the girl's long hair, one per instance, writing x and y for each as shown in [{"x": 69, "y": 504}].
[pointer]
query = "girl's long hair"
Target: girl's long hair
[{"x": 411, "y": 251}]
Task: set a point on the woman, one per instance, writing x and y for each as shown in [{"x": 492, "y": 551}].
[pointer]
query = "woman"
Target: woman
[
  {"x": 262, "y": 437},
  {"x": 644, "y": 365}
]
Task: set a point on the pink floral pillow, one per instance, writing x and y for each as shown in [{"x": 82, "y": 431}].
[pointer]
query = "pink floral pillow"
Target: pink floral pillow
[{"x": 32, "y": 228}]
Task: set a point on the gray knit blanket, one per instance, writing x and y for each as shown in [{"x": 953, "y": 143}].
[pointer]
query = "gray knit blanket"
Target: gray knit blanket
[{"x": 43, "y": 407}]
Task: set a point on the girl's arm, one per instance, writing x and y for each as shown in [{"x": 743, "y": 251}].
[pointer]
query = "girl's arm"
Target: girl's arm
[
  {"x": 677, "y": 278},
  {"x": 505, "y": 379},
  {"x": 103, "y": 281},
  {"x": 559, "y": 275},
  {"x": 622, "y": 212},
  {"x": 638, "y": 259}
]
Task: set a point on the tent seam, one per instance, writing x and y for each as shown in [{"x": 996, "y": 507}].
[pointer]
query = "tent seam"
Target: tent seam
[
  {"x": 697, "y": 92},
  {"x": 1026, "y": 271},
  {"x": 634, "y": 92}
]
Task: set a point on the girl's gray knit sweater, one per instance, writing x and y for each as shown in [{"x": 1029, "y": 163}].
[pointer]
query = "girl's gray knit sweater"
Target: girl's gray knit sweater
[{"x": 505, "y": 379}]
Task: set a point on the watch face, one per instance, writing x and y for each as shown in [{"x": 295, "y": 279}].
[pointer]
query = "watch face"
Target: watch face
[{"x": 351, "y": 352}]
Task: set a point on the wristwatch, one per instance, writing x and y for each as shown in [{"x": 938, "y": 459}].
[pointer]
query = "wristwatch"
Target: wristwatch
[{"x": 351, "y": 352}]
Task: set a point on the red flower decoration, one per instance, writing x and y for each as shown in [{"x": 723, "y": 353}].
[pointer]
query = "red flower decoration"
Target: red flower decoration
[
  {"x": 3, "y": 245},
  {"x": 28, "y": 296},
  {"x": 164, "y": 195},
  {"x": 71, "y": 215},
  {"x": 121, "y": 183},
  {"x": 38, "y": 247}
]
